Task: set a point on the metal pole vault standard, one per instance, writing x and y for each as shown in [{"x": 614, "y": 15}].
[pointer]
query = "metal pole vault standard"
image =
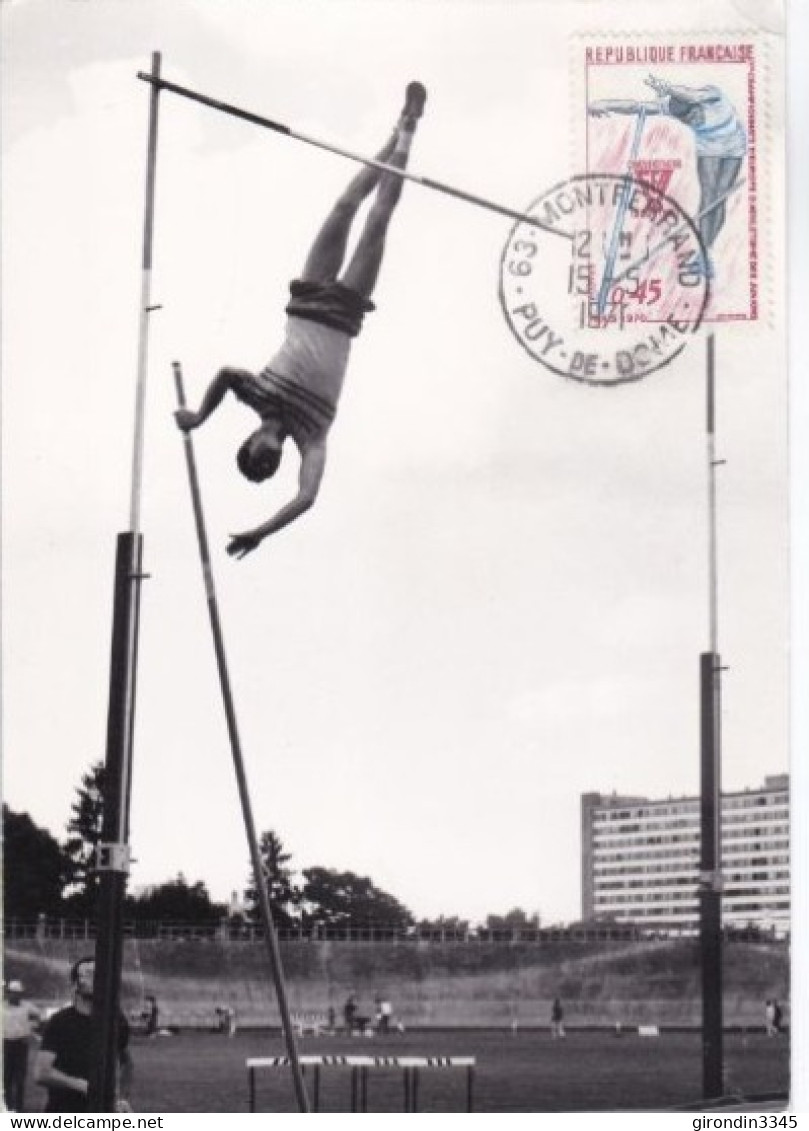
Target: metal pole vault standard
[
  {"x": 112, "y": 853},
  {"x": 710, "y": 892},
  {"x": 238, "y": 763},
  {"x": 278, "y": 127}
]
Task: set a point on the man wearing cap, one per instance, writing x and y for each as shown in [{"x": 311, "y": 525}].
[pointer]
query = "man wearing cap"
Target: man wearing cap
[{"x": 19, "y": 1019}]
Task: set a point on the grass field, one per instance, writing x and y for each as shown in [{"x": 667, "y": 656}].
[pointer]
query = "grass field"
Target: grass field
[{"x": 522, "y": 1072}]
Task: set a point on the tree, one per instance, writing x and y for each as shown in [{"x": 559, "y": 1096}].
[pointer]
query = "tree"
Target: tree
[
  {"x": 514, "y": 920},
  {"x": 284, "y": 894},
  {"x": 176, "y": 901},
  {"x": 343, "y": 899},
  {"x": 84, "y": 828},
  {"x": 445, "y": 924},
  {"x": 34, "y": 868}
]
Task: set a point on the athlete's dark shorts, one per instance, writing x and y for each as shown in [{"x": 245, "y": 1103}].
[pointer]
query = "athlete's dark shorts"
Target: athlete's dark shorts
[{"x": 332, "y": 304}]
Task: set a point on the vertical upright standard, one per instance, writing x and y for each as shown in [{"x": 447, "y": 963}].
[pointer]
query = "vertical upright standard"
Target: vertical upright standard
[
  {"x": 710, "y": 891},
  {"x": 112, "y": 853}
]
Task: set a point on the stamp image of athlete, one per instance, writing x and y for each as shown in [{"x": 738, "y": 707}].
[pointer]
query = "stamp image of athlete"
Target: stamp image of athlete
[
  {"x": 297, "y": 393},
  {"x": 621, "y": 299},
  {"x": 720, "y": 142}
]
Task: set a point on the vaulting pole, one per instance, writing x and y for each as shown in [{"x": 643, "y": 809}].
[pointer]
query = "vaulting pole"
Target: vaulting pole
[
  {"x": 112, "y": 853},
  {"x": 710, "y": 892},
  {"x": 270, "y": 936},
  {"x": 620, "y": 217},
  {"x": 278, "y": 127}
]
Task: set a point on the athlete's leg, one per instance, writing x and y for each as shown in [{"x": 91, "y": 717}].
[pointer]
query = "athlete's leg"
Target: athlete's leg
[
  {"x": 717, "y": 176},
  {"x": 363, "y": 269},
  {"x": 327, "y": 253}
]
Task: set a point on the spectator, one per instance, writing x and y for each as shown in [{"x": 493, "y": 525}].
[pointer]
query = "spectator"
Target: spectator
[
  {"x": 557, "y": 1019},
  {"x": 384, "y": 1015},
  {"x": 19, "y": 1019},
  {"x": 769, "y": 1018},
  {"x": 64, "y": 1061},
  {"x": 226, "y": 1020},
  {"x": 151, "y": 1015},
  {"x": 350, "y": 1013}
]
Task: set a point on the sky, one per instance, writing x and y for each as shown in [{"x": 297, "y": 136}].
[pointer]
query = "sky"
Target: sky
[{"x": 500, "y": 598}]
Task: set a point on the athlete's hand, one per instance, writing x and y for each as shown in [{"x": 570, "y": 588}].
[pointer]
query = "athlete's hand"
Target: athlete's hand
[
  {"x": 597, "y": 111},
  {"x": 242, "y": 544},
  {"x": 186, "y": 419}
]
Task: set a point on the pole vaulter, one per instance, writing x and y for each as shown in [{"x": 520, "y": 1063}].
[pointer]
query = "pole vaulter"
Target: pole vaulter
[{"x": 426, "y": 182}]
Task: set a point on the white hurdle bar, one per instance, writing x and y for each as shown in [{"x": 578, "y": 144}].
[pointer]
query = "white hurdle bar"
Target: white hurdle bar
[{"x": 360, "y": 1065}]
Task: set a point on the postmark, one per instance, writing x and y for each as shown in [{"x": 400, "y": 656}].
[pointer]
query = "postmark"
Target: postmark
[
  {"x": 621, "y": 296},
  {"x": 684, "y": 113}
]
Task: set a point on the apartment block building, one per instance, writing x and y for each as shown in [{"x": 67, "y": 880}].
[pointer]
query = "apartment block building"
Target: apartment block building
[{"x": 640, "y": 858}]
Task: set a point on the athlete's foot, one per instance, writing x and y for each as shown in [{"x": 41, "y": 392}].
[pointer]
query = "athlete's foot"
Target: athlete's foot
[{"x": 415, "y": 97}]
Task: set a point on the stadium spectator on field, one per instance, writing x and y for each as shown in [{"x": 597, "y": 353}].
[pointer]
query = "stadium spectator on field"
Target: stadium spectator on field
[
  {"x": 557, "y": 1019},
  {"x": 64, "y": 1061},
  {"x": 19, "y": 1020},
  {"x": 151, "y": 1015},
  {"x": 350, "y": 1013},
  {"x": 773, "y": 1017},
  {"x": 226, "y": 1020},
  {"x": 384, "y": 1015}
]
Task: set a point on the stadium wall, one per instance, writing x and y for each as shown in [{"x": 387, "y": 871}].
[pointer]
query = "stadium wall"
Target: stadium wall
[{"x": 429, "y": 983}]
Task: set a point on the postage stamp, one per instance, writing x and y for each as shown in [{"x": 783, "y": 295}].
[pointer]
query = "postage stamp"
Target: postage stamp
[{"x": 684, "y": 114}]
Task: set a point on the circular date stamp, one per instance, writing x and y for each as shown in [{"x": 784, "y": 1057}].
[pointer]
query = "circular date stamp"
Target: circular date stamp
[{"x": 617, "y": 294}]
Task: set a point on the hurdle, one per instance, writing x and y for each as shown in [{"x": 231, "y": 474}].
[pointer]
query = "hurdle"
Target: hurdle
[{"x": 360, "y": 1066}]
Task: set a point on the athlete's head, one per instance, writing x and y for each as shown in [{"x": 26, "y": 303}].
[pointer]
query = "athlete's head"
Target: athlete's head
[
  {"x": 689, "y": 113},
  {"x": 259, "y": 457},
  {"x": 82, "y": 975}
]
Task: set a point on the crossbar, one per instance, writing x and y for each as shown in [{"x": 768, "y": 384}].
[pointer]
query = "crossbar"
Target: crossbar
[{"x": 287, "y": 131}]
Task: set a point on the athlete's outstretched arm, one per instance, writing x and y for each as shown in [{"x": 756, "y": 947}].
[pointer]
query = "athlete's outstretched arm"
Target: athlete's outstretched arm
[
  {"x": 693, "y": 95},
  {"x": 622, "y": 106},
  {"x": 697, "y": 95},
  {"x": 187, "y": 419},
  {"x": 313, "y": 464}
]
